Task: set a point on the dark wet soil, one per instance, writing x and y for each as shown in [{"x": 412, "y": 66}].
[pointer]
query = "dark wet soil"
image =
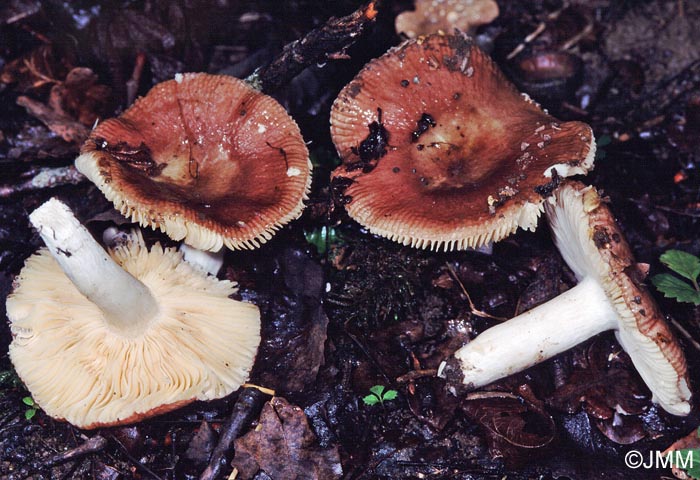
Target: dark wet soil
[{"x": 344, "y": 310}]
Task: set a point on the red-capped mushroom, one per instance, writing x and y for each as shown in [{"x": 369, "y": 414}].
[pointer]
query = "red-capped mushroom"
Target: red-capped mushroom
[
  {"x": 205, "y": 158},
  {"x": 439, "y": 150}
]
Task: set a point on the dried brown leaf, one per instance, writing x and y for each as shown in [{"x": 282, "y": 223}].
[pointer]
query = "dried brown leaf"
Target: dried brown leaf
[
  {"x": 284, "y": 447},
  {"x": 59, "y": 123}
]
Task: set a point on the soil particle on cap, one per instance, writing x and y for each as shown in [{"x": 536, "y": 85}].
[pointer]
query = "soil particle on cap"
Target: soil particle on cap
[
  {"x": 601, "y": 238},
  {"x": 422, "y": 125},
  {"x": 459, "y": 61},
  {"x": 354, "y": 89},
  {"x": 547, "y": 189},
  {"x": 373, "y": 147},
  {"x": 338, "y": 187}
]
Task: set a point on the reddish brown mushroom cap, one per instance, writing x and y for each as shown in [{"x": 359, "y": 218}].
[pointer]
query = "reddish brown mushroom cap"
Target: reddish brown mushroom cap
[
  {"x": 440, "y": 151},
  {"x": 205, "y": 158}
]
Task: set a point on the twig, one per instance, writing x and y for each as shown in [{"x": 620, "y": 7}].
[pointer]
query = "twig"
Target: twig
[
  {"x": 536, "y": 33},
  {"x": 415, "y": 374},
  {"x": 132, "y": 85},
  {"x": 135, "y": 460},
  {"x": 246, "y": 408},
  {"x": 319, "y": 45},
  {"x": 44, "y": 178},
  {"x": 62, "y": 125},
  {"x": 577, "y": 38},
  {"x": 473, "y": 308},
  {"x": 92, "y": 445},
  {"x": 686, "y": 334}
]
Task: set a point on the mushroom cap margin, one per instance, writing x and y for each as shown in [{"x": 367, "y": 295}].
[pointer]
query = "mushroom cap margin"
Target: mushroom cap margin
[{"x": 592, "y": 244}]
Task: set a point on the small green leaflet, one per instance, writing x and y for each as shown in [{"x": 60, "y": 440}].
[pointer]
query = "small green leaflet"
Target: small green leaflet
[
  {"x": 390, "y": 395},
  {"x": 30, "y": 412},
  {"x": 379, "y": 395},
  {"x": 694, "y": 471},
  {"x": 674, "y": 287},
  {"x": 685, "y": 265},
  {"x": 321, "y": 237},
  {"x": 377, "y": 390}
]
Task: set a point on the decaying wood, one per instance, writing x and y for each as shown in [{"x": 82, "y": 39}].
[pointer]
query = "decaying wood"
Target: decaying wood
[
  {"x": 246, "y": 408},
  {"x": 328, "y": 42}
]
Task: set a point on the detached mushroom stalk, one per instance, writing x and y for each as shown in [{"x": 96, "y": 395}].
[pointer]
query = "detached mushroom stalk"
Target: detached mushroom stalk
[
  {"x": 92, "y": 270},
  {"x": 538, "y": 334},
  {"x": 609, "y": 296}
]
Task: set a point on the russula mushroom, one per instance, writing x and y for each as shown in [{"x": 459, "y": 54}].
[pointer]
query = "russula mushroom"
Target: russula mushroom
[
  {"x": 205, "y": 158},
  {"x": 439, "y": 150},
  {"x": 609, "y": 296},
  {"x": 105, "y": 339},
  {"x": 446, "y": 15}
]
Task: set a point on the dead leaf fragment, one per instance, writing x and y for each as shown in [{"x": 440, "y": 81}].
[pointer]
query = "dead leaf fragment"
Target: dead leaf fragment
[
  {"x": 516, "y": 428},
  {"x": 446, "y": 15},
  {"x": 284, "y": 447},
  {"x": 59, "y": 123},
  {"x": 80, "y": 96}
]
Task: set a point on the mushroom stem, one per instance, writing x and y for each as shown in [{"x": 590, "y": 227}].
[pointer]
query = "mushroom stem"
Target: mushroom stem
[
  {"x": 93, "y": 272},
  {"x": 207, "y": 261},
  {"x": 538, "y": 334}
]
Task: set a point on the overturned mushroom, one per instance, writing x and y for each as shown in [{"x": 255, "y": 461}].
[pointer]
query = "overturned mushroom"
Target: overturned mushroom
[
  {"x": 105, "y": 339},
  {"x": 609, "y": 296},
  {"x": 440, "y": 151},
  {"x": 206, "y": 159}
]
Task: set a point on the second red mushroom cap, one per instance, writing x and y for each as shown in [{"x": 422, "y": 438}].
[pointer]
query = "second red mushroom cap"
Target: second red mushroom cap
[{"x": 441, "y": 151}]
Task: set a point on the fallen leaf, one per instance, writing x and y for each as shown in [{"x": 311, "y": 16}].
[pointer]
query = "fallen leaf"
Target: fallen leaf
[
  {"x": 61, "y": 124},
  {"x": 202, "y": 444},
  {"x": 622, "y": 429},
  {"x": 80, "y": 97},
  {"x": 515, "y": 427},
  {"x": 284, "y": 447},
  {"x": 294, "y": 333},
  {"x": 603, "y": 383}
]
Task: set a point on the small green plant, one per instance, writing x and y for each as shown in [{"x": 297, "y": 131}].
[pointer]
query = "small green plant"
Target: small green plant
[
  {"x": 379, "y": 395},
  {"x": 322, "y": 237},
  {"x": 9, "y": 378},
  {"x": 688, "y": 267},
  {"x": 694, "y": 470},
  {"x": 32, "y": 407},
  {"x": 602, "y": 141}
]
